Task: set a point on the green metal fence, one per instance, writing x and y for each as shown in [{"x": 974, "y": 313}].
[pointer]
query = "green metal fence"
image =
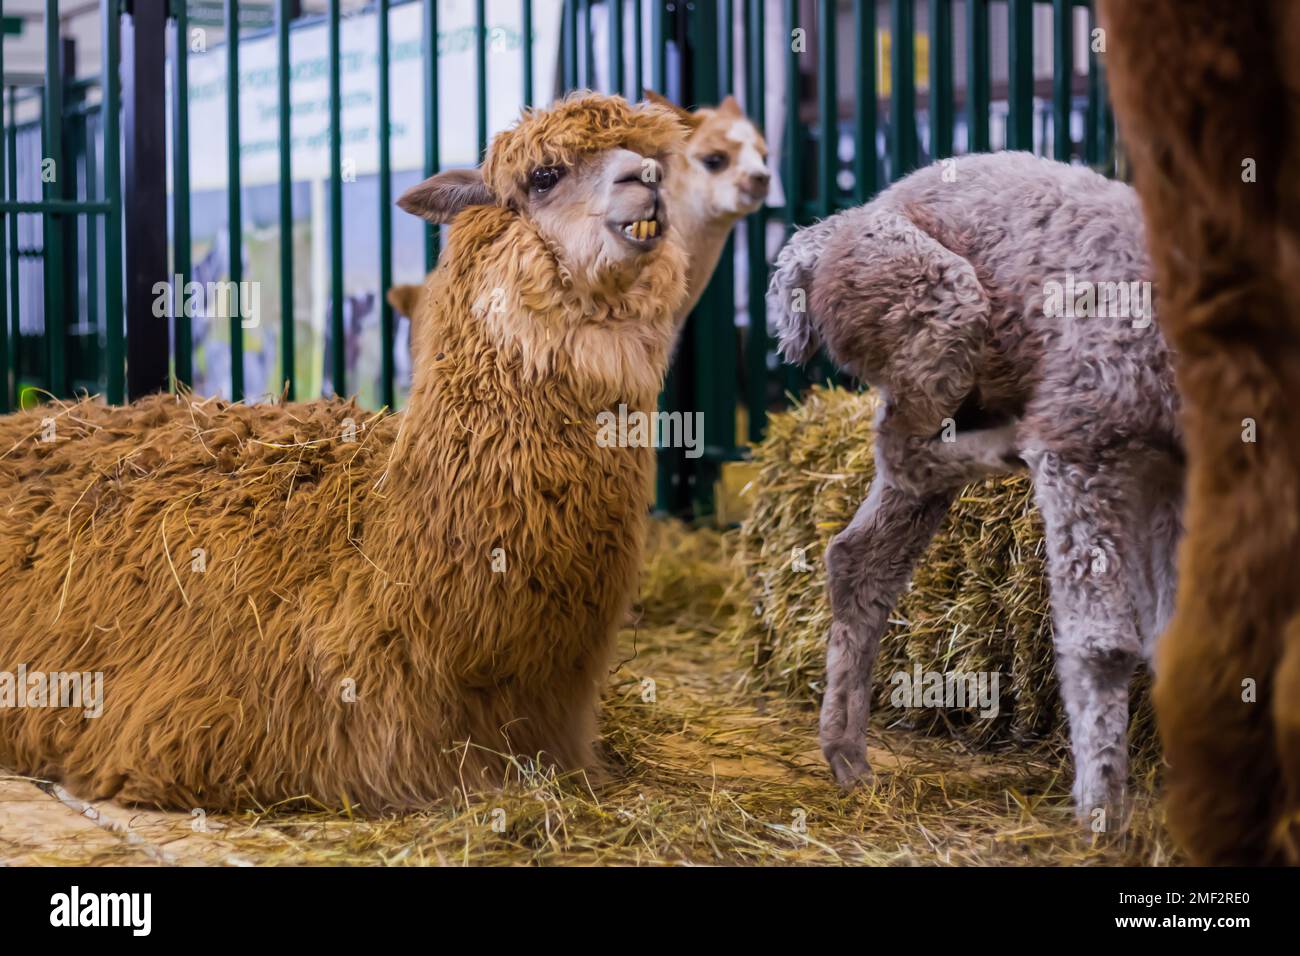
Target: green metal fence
[{"x": 696, "y": 52}]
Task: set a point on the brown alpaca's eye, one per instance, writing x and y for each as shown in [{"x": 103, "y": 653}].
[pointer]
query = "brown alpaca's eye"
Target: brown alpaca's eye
[
  {"x": 545, "y": 178},
  {"x": 715, "y": 162}
]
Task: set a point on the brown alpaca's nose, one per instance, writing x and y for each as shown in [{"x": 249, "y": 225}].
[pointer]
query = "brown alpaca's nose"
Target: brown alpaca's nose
[
  {"x": 758, "y": 182},
  {"x": 640, "y": 169}
]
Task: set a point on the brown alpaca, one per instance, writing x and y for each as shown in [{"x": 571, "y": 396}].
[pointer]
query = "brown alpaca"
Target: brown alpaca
[
  {"x": 718, "y": 179},
  {"x": 382, "y": 620},
  {"x": 1207, "y": 96}
]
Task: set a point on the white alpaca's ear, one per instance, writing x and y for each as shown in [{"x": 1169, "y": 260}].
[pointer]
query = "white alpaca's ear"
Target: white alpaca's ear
[{"x": 439, "y": 198}]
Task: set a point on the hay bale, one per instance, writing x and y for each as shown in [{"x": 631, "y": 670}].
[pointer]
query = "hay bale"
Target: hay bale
[{"x": 978, "y": 600}]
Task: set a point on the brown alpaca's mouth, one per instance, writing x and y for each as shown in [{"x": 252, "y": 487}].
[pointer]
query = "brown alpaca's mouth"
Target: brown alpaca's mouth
[{"x": 642, "y": 234}]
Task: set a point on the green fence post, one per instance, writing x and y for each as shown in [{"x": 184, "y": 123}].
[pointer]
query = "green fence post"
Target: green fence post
[
  {"x": 977, "y": 75},
  {"x": 638, "y": 59},
  {"x": 941, "y": 114},
  {"x": 183, "y": 354},
  {"x": 112, "y": 99},
  {"x": 828, "y": 108},
  {"x": 616, "y": 64},
  {"x": 387, "y": 372},
  {"x": 756, "y": 345},
  {"x": 480, "y": 74},
  {"x": 338, "y": 328},
  {"x": 52, "y": 230},
  {"x": 1062, "y": 77},
  {"x": 235, "y": 215},
  {"x": 431, "y": 158},
  {"x": 588, "y": 54},
  {"x": 6, "y": 383},
  {"x": 864, "y": 125},
  {"x": 793, "y": 128},
  {"x": 659, "y": 41},
  {"x": 903, "y": 95},
  {"x": 288, "y": 347},
  {"x": 1020, "y": 95},
  {"x": 527, "y": 27}
]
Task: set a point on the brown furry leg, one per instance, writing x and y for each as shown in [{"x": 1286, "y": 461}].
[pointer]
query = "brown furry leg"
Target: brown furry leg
[{"x": 1286, "y": 732}]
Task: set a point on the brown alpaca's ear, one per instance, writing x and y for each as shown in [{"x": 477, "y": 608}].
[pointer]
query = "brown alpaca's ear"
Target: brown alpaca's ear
[
  {"x": 403, "y": 298},
  {"x": 730, "y": 107},
  {"x": 684, "y": 116},
  {"x": 439, "y": 198}
]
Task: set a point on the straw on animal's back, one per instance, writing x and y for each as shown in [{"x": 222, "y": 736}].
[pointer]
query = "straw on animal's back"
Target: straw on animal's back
[{"x": 182, "y": 548}]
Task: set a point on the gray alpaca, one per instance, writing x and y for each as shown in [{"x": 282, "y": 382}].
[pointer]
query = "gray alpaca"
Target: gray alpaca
[{"x": 980, "y": 297}]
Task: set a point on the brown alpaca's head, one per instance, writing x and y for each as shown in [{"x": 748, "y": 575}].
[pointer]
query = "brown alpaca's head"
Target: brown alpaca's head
[{"x": 586, "y": 174}]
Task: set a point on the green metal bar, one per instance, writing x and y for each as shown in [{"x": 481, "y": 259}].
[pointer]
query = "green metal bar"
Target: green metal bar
[
  {"x": 183, "y": 354},
  {"x": 387, "y": 372},
  {"x": 1105, "y": 122},
  {"x": 864, "y": 126},
  {"x": 756, "y": 345},
  {"x": 113, "y": 315},
  {"x": 793, "y": 128},
  {"x": 828, "y": 109},
  {"x": 527, "y": 16},
  {"x": 1062, "y": 76},
  {"x": 638, "y": 33},
  {"x": 903, "y": 93},
  {"x": 977, "y": 75},
  {"x": 6, "y": 382},
  {"x": 569, "y": 44},
  {"x": 793, "y": 378},
  {"x": 338, "y": 355},
  {"x": 588, "y": 53},
  {"x": 617, "y": 67},
  {"x": 431, "y": 158},
  {"x": 728, "y": 62},
  {"x": 11, "y": 172},
  {"x": 941, "y": 112},
  {"x": 92, "y": 242},
  {"x": 288, "y": 345},
  {"x": 480, "y": 74},
  {"x": 659, "y": 40},
  {"x": 57, "y": 207},
  {"x": 235, "y": 215},
  {"x": 52, "y": 231},
  {"x": 1020, "y": 96}
]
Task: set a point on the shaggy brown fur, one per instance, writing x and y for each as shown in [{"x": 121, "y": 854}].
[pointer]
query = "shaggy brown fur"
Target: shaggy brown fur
[
  {"x": 461, "y": 566},
  {"x": 1200, "y": 88}
]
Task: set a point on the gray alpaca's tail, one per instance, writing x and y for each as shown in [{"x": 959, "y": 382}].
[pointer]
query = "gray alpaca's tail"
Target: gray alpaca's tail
[{"x": 789, "y": 293}]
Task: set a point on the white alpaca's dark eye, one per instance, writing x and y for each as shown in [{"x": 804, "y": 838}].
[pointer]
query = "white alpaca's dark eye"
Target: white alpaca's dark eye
[{"x": 544, "y": 178}]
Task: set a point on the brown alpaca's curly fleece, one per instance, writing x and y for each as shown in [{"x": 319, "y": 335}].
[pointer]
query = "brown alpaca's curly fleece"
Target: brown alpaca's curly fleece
[
  {"x": 1200, "y": 88},
  {"x": 379, "y": 620}
]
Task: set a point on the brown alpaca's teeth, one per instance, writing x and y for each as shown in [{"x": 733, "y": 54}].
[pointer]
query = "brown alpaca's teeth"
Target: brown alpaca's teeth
[{"x": 642, "y": 229}]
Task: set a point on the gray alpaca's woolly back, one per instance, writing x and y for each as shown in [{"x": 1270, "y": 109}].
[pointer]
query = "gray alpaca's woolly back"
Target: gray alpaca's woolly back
[{"x": 1050, "y": 245}]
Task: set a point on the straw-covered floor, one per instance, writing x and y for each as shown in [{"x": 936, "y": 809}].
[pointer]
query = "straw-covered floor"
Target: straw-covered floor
[{"x": 701, "y": 767}]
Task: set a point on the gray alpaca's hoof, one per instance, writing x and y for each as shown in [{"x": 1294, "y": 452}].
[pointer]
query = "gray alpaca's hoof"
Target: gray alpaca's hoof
[{"x": 848, "y": 762}]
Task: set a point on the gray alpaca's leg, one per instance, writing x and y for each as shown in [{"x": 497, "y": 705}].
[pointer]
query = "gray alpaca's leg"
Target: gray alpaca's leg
[
  {"x": 1096, "y": 567},
  {"x": 868, "y": 564}
]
